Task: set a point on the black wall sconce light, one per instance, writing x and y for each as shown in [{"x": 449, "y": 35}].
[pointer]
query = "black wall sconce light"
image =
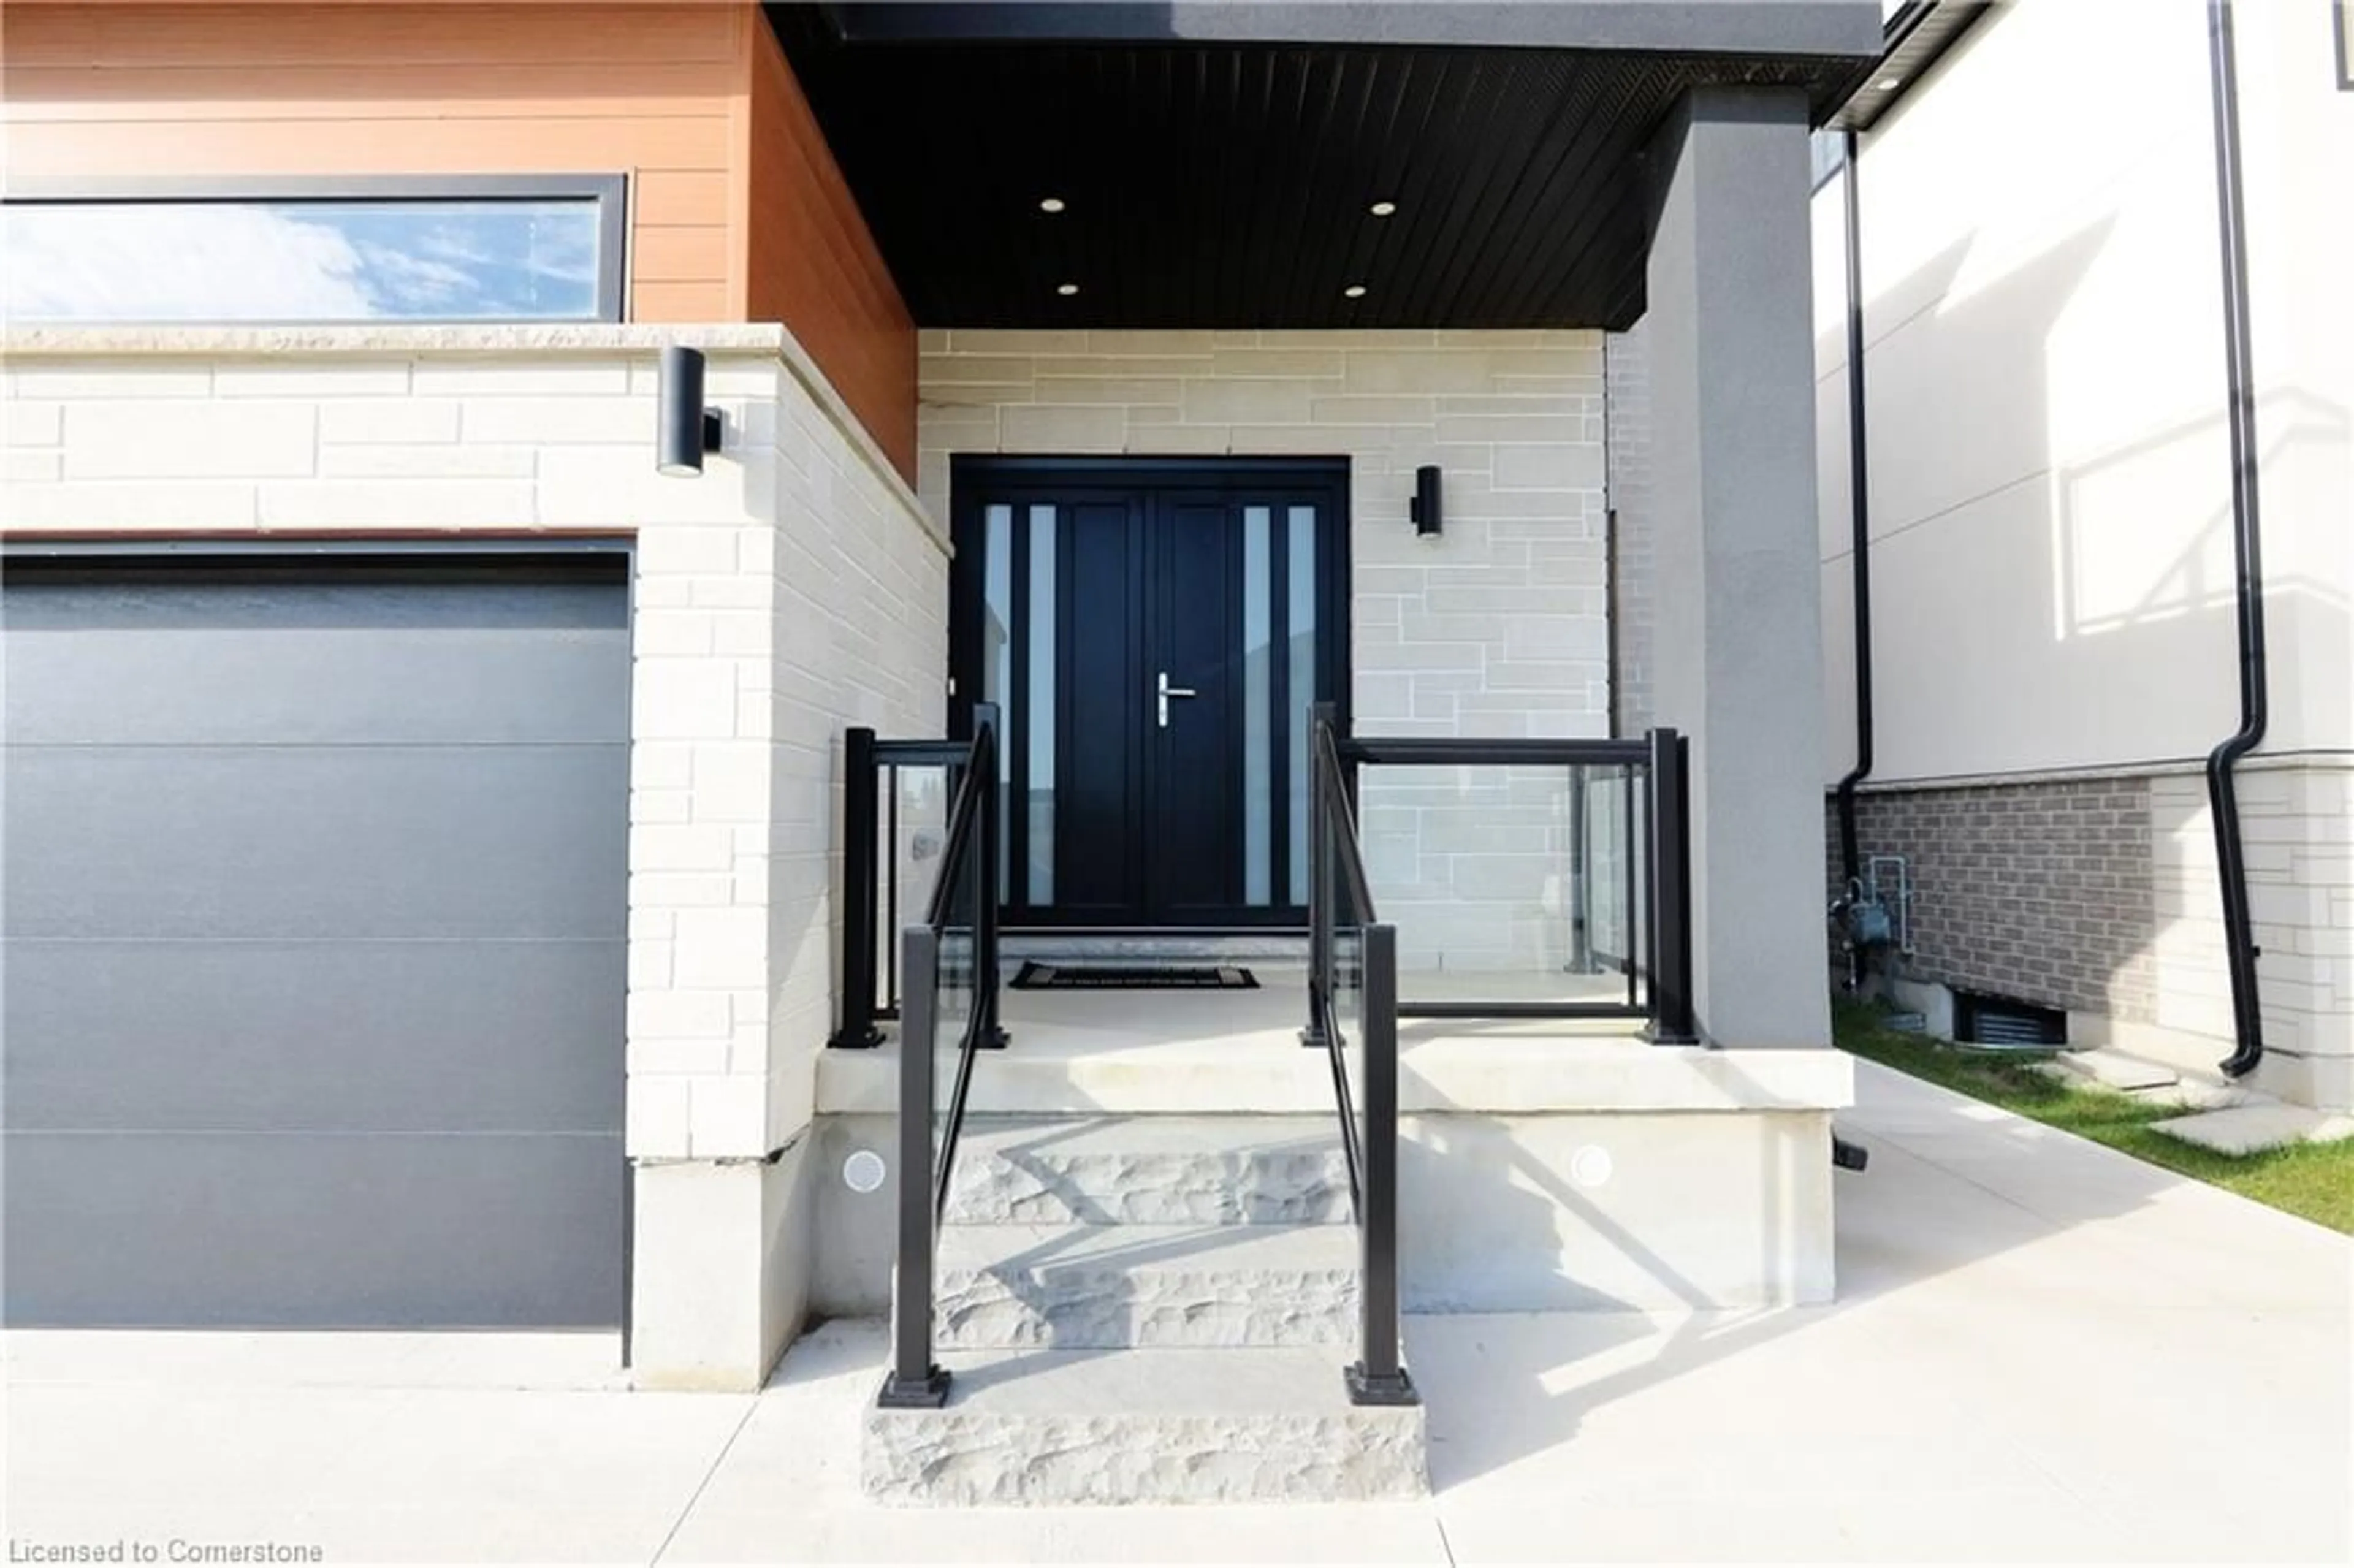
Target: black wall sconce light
[
  {"x": 1423, "y": 507},
  {"x": 687, "y": 429}
]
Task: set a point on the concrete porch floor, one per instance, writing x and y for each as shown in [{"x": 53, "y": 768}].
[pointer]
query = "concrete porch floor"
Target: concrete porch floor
[
  {"x": 1219, "y": 1051},
  {"x": 2044, "y": 1352}
]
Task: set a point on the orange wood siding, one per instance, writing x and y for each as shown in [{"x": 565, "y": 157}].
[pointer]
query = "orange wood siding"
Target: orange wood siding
[
  {"x": 737, "y": 210},
  {"x": 811, "y": 263},
  {"x": 223, "y": 91}
]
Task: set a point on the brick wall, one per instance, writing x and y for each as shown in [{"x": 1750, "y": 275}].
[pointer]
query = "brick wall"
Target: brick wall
[
  {"x": 2100, "y": 896},
  {"x": 2038, "y": 891},
  {"x": 793, "y": 590},
  {"x": 1498, "y": 627}
]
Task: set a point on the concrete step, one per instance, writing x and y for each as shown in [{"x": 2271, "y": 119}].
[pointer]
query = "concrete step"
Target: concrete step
[
  {"x": 1045, "y": 1427},
  {"x": 2250, "y": 1128},
  {"x": 1106, "y": 1287},
  {"x": 2114, "y": 1070},
  {"x": 1150, "y": 1170}
]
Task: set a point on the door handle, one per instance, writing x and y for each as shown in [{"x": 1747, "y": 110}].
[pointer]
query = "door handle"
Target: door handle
[{"x": 1166, "y": 691}]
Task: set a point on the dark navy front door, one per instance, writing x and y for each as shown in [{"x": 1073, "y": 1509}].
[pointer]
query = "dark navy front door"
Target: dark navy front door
[{"x": 1154, "y": 635}]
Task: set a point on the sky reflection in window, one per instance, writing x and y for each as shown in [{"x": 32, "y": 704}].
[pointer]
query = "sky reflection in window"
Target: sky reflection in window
[{"x": 300, "y": 261}]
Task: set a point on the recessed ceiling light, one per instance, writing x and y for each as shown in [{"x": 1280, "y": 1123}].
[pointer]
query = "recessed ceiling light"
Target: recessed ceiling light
[
  {"x": 1888, "y": 83},
  {"x": 1066, "y": 289},
  {"x": 1383, "y": 208},
  {"x": 1050, "y": 203},
  {"x": 1354, "y": 291}
]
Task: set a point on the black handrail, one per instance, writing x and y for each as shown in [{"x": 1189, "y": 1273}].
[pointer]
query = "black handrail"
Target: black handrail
[
  {"x": 915, "y": 1380},
  {"x": 1338, "y": 871},
  {"x": 1501, "y": 751},
  {"x": 975, "y": 821},
  {"x": 1333, "y": 838}
]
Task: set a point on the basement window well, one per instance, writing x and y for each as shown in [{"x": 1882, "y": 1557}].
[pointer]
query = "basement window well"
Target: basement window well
[{"x": 1996, "y": 1021}]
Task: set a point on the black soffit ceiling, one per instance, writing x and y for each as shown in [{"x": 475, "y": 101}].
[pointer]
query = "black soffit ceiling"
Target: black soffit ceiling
[{"x": 1229, "y": 185}]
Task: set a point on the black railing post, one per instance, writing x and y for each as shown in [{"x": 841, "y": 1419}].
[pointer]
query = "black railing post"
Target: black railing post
[
  {"x": 915, "y": 1382},
  {"x": 991, "y": 836},
  {"x": 1633, "y": 869},
  {"x": 1669, "y": 881},
  {"x": 861, "y": 779},
  {"x": 1581, "y": 879},
  {"x": 1320, "y": 717},
  {"x": 1380, "y": 1378}
]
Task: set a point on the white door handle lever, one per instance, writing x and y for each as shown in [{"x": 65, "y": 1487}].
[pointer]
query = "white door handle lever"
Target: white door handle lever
[{"x": 1165, "y": 691}]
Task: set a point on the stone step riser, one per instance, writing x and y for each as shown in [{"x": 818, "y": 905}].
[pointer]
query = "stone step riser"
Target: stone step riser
[
  {"x": 1117, "y": 1309},
  {"x": 954, "y": 1459},
  {"x": 1258, "y": 1188}
]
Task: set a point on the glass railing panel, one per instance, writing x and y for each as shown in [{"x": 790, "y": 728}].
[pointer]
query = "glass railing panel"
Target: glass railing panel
[
  {"x": 957, "y": 991},
  {"x": 956, "y": 995},
  {"x": 914, "y": 829},
  {"x": 1509, "y": 884}
]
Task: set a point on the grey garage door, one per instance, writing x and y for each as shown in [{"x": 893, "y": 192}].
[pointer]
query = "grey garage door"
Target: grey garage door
[{"x": 315, "y": 882}]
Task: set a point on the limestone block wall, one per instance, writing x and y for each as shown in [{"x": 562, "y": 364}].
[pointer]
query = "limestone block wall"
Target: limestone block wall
[
  {"x": 793, "y": 590},
  {"x": 1500, "y": 627}
]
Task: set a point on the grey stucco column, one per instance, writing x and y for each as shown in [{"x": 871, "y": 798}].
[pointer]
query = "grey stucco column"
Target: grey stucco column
[{"x": 1738, "y": 656}]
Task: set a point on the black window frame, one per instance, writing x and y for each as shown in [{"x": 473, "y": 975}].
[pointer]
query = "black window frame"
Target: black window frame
[{"x": 609, "y": 191}]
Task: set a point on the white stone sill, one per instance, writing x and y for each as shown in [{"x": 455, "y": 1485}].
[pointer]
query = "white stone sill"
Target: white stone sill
[
  {"x": 1493, "y": 1076},
  {"x": 378, "y": 338},
  {"x": 763, "y": 340},
  {"x": 2319, "y": 758}
]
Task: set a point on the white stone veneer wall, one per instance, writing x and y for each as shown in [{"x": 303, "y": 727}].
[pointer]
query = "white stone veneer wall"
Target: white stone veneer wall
[
  {"x": 2296, "y": 823},
  {"x": 1498, "y": 627},
  {"x": 794, "y": 589}
]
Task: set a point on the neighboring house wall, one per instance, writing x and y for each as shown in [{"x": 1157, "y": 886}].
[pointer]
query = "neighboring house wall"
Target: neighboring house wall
[
  {"x": 2029, "y": 888},
  {"x": 737, "y": 210},
  {"x": 1497, "y": 627},
  {"x": 2051, "y": 517},
  {"x": 795, "y": 588}
]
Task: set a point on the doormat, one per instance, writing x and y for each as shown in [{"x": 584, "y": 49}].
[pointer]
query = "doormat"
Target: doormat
[{"x": 1134, "y": 976}]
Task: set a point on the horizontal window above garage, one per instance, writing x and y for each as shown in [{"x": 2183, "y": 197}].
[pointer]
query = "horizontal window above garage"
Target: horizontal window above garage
[{"x": 526, "y": 248}]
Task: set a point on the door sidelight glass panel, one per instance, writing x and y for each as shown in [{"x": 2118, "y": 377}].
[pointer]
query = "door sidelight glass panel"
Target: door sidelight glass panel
[
  {"x": 1259, "y": 676},
  {"x": 1041, "y": 710},
  {"x": 1300, "y": 688},
  {"x": 997, "y": 662}
]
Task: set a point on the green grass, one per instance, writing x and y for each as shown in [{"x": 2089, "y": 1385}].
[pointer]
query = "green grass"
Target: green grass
[{"x": 2313, "y": 1180}]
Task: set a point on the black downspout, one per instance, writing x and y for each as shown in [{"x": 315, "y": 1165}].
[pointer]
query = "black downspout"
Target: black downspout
[
  {"x": 2222, "y": 796},
  {"x": 1860, "y": 505}
]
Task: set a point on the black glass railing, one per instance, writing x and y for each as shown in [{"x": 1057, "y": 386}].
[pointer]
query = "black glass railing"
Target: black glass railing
[
  {"x": 1530, "y": 878},
  {"x": 1576, "y": 852},
  {"x": 949, "y": 978},
  {"x": 1353, "y": 1016},
  {"x": 897, "y": 797}
]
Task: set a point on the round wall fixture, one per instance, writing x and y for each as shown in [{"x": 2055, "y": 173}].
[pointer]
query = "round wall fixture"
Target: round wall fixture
[
  {"x": 863, "y": 1171},
  {"x": 1354, "y": 291},
  {"x": 1050, "y": 203},
  {"x": 1067, "y": 290},
  {"x": 1383, "y": 208},
  {"x": 1590, "y": 1166}
]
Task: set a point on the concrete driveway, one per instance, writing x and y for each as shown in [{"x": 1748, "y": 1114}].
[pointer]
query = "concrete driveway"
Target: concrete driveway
[{"x": 2044, "y": 1352}]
